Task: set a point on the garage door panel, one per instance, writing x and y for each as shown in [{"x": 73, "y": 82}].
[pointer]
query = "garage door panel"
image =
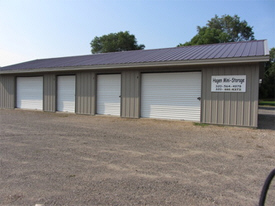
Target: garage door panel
[
  {"x": 66, "y": 93},
  {"x": 30, "y": 93},
  {"x": 108, "y": 94},
  {"x": 157, "y": 111},
  {"x": 171, "y": 96}
]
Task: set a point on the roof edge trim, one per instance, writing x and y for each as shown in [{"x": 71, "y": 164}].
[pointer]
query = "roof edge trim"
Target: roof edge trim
[{"x": 266, "y": 50}]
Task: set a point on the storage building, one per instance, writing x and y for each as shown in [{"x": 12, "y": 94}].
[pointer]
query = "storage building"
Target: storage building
[{"x": 216, "y": 84}]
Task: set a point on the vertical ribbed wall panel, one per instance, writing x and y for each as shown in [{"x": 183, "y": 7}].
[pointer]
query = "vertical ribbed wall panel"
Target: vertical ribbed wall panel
[
  {"x": 229, "y": 108},
  {"x": 49, "y": 93},
  {"x": 254, "y": 95},
  {"x": 7, "y": 91},
  {"x": 85, "y": 93},
  {"x": 130, "y": 94}
]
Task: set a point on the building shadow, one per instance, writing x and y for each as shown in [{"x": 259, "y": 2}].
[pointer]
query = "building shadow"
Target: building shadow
[{"x": 266, "y": 118}]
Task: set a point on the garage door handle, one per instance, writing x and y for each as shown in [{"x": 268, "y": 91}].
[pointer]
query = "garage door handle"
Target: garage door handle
[
  {"x": 199, "y": 98},
  {"x": 119, "y": 96}
]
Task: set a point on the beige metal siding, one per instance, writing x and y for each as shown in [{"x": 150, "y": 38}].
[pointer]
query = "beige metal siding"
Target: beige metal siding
[
  {"x": 49, "y": 93},
  {"x": 85, "y": 93},
  {"x": 240, "y": 109},
  {"x": 7, "y": 91},
  {"x": 130, "y": 94}
]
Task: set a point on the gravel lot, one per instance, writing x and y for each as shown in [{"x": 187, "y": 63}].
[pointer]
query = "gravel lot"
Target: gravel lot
[{"x": 67, "y": 159}]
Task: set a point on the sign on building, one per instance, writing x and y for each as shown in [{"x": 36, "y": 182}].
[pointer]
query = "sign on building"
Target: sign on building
[{"x": 228, "y": 83}]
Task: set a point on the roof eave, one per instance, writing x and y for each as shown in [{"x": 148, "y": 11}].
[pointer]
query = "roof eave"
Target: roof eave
[{"x": 254, "y": 59}]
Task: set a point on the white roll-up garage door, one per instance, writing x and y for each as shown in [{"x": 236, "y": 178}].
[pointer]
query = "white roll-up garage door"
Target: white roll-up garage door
[
  {"x": 171, "y": 95},
  {"x": 108, "y": 94},
  {"x": 29, "y": 93},
  {"x": 66, "y": 93}
]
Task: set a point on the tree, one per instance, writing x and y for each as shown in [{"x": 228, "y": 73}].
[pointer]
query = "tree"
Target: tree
[
  {"x": 114, "y": 42},
  {"x": 222, "y": 29},
  {"x": 267, "y": 88}
]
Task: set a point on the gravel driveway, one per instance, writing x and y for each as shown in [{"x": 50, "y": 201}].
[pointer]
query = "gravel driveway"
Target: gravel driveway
[{"x": 67, "y": 159}]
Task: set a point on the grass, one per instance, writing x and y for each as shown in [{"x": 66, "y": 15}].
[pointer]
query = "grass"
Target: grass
[{"x": 267, "y": 103}]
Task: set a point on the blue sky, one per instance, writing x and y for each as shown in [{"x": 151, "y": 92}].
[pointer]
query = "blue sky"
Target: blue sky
[{"x": 35, "y": 29}]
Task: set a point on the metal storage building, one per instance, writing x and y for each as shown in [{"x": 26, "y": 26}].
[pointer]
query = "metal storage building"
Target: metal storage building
[{"x": 216, "y": 84}]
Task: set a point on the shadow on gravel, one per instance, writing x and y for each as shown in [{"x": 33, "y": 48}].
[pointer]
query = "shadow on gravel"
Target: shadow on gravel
[{"x": 266, "y": 118}]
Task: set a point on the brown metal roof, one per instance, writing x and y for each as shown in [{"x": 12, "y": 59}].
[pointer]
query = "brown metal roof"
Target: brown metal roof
[{"x": 255, "y": 48}]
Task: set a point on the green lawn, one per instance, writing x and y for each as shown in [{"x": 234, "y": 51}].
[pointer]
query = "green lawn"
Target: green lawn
[{"x": 267, "y": 103}]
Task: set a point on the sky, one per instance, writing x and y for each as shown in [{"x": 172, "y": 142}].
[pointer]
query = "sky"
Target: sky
[{"x": 37, "y": 29}]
